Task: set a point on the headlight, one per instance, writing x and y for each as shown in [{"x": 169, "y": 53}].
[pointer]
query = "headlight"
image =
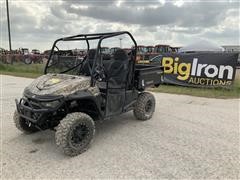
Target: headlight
[{"x": 51, "y": 104}]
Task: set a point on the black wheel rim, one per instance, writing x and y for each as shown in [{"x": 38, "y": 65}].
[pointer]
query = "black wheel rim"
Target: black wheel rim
[
  {"x": 79, "y": 135},
  {"x": 148, "y": 107}
]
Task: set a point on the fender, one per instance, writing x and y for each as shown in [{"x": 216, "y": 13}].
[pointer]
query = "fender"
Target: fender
[{"x": 86, "y": 96}]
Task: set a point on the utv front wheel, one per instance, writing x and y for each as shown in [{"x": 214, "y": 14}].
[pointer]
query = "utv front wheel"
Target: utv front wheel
[
  {"x": 74, "y": 133},
  {"x": 145, "y": 106},
  {"x": 23, "y": 125}
]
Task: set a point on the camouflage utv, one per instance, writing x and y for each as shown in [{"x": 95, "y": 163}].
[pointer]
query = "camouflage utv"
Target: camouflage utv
[{"x": 75, "y": 93}]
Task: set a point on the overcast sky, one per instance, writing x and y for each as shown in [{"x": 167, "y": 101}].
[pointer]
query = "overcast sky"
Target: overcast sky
[{"x": 36, "y": 24}]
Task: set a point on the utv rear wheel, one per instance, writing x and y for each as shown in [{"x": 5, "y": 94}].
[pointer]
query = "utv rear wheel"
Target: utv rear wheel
[
  {"x": 75, "y": 133},
  {"x": 23, "y": 125},
  {"x": 145, "y": 106}
]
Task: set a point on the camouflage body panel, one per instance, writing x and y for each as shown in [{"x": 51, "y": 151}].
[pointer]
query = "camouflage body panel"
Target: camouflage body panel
[{"x": 61, "y": 84}]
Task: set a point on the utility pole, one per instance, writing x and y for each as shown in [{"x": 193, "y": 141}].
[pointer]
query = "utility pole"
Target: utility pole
[
  {"x": 120, "y": 39},
  {"x": 9, "y": 30}
]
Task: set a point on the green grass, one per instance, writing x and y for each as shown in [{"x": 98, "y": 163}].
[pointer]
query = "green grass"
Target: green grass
[
  {"x": 35, "y": 70},
  {"x": 22, "y": 70},
  {"x": 223, "y": 93}
]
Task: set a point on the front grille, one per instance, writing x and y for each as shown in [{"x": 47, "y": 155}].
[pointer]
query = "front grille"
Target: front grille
[
  {"x": 27, "y": 113},
  {"x": 30, "y": 103},
  {"x": 34, "y": 105}
]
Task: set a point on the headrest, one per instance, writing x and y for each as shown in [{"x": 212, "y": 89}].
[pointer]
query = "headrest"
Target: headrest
[
  {"x": 91, "y": 53},
  {"x": 120, "y": 55}
]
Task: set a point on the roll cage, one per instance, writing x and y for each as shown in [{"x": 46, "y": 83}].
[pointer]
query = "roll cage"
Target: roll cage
[{"x": 97, "y": 63}]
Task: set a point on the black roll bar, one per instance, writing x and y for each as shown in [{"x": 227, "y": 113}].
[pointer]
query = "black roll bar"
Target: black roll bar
[{"x": 87, "y": 38}]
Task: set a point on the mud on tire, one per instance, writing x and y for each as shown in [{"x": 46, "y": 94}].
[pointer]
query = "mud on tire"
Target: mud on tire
[
  {"x": 75, "y": 133},
  {"x": 145, "y": 106},
  {"x": 22, "y": 124}
]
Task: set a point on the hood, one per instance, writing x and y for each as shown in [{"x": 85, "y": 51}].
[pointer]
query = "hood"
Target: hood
[{"x": 58, "y": 84}]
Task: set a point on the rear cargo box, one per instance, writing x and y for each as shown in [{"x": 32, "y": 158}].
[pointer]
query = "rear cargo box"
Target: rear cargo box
[{"x": 148, "y": 76}]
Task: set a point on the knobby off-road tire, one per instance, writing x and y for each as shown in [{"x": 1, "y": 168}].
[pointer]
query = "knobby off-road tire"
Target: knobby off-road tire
[
  {"x": 22, "y": 124},
  {"x": 75, "y": 133},
  {"x": 145, "y": 106}
]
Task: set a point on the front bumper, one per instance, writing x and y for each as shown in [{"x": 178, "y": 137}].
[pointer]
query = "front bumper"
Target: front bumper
[{"x": 34, "y": 111}]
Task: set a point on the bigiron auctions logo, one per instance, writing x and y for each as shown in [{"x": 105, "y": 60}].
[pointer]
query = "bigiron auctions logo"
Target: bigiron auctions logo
[{"x": 197, "y": 73}]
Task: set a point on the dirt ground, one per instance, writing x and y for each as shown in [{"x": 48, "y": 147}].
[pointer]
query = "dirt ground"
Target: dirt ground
[{"x": 188, "y": 137}]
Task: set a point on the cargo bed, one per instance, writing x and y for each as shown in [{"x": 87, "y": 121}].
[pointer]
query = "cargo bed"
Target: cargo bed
[{"x": 148, "y": 76}]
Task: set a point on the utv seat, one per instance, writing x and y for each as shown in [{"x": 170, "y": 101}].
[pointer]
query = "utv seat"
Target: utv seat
[
  {"x": 106, "y": 60},
  {"x": 89, "y": 62},
  {"x": 117, "y": 70}
]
